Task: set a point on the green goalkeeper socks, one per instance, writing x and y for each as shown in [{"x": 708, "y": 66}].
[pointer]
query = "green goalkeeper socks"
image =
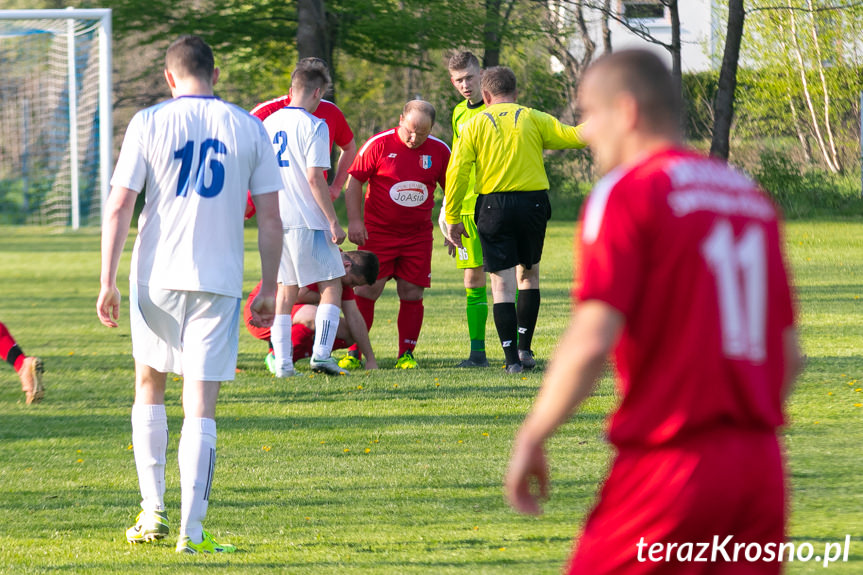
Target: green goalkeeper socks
[{"x": 477, "y": 315}]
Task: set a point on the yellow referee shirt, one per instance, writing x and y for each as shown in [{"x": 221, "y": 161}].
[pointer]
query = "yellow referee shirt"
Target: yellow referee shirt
[{"x": 505, "y": 142}]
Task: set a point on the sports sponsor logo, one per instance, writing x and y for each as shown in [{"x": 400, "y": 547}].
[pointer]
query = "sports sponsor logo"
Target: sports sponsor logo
[
  {"x": 392, "y": 155},
  {"x": 426, "y": 161},
  {"x": 409, "y": 194}
]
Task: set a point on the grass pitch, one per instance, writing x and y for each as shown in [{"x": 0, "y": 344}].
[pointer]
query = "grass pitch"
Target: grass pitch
[{"x": 383, "y": 472}]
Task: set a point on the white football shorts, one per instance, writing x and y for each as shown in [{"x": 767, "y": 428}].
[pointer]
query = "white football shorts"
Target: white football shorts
[
  {"x": 193, "y": 334},
  {"x": 309, "y": 256}
]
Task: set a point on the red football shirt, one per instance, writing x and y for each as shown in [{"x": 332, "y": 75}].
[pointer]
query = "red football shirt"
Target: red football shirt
[
  {"x": 689, "y": 251},
  {"x": 340, "y": 132},
  {"x": 400, "y": 194}
]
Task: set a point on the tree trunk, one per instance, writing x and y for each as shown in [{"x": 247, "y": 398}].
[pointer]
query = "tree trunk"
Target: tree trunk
[
  {"x": 314, "y": 36},
  {"x": 724, "y": 104},
  {"x": 834, "y": 156},
  {"x": 606, "y": 31},
  {"x": 816, "y": 129},
  {"x": 491, "y": 34},
  {"x": 559, "y": 46}
]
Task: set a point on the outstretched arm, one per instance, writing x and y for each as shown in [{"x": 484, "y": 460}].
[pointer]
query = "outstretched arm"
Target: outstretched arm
[
  {"x": 115, "y": 230},
  {"x": 573, "y": 373},
  {"x": 359, "y": 332}
]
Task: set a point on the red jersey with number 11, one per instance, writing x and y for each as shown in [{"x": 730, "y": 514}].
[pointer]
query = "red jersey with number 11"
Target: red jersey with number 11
[{"x": 689, "y": 251}]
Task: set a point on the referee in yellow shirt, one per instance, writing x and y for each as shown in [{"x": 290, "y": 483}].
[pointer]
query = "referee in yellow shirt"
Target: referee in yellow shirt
[{"x": 505, "y": 144}]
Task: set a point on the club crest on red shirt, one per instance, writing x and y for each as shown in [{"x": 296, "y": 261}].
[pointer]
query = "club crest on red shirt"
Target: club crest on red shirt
[{"x": 426, "y": 161}]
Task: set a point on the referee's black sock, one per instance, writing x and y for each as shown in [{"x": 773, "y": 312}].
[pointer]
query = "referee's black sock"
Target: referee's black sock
[
  {"x": 528, "y": 312},
  {"x": 506, "y": 322}
]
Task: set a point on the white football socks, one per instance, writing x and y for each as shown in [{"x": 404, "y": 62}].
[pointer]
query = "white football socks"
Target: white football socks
[
  {"x": 326, "y": 326},
  {"x": 280, "y": 337},
  {"x": 150, "y": 442},
  {"x": 197, "y": 457}
]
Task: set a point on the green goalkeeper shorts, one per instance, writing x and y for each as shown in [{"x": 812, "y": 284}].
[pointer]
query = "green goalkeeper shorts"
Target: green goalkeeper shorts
[{"x": 470, "y": 256}]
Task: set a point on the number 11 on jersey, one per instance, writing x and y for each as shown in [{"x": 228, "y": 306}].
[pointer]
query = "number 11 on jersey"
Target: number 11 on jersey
[{"x": 740, "y": 269}]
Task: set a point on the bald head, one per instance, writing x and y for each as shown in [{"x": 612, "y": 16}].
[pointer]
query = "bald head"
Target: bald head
[
  {"x": 645, "y": 78},
  {"x": 419, "y": 106},
  {"x": 416, "y": 122}
]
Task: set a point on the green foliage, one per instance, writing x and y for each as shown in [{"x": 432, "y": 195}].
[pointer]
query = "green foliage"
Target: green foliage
[{"x": 807, "y": 193}]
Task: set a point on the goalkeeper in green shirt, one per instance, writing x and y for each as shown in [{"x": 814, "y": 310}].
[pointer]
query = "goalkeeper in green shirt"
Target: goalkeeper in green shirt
[
  {"x": 504, "y": 145},
  {"x": 465, "y": 75}
]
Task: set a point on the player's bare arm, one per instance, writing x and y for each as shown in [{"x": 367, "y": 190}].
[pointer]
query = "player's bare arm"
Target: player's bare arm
[
  {"x": 263, "y": 307},
  {"x": 321, "y": 193},
  {"x": 115, "y": 230},
  {"x": 794, "y": 361},
  {"x": 359, "y": 332},
  {"x": 346, "y": 158},
  {"x": 573, "y": 373},
  {"x": 357, "y": 232}
]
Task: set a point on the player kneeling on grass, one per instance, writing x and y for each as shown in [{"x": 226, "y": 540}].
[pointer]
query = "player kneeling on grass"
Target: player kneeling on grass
[{"x": 361, "y": 268}]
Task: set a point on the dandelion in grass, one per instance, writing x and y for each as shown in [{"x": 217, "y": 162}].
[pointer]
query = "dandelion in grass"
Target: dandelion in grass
[
  {"x": 460, "y": 441},
  {"x": 71, "y": 353},
  {"x": 858, "y": 405},
  {"x": 176, "y": 379},
  {"x": 265, "y": 448},
  {"x": 80, "y": 461},
  {"x": 360, "y": 387},
  {"x": 368, "y": 450},
  {"x": 485, "y": 433},
  {"x": 346, "y": 450},
  {"x": 395, "y": 385}
]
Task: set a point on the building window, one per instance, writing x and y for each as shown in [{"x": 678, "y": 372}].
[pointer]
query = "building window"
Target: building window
[{"x": 642, "y": 9}]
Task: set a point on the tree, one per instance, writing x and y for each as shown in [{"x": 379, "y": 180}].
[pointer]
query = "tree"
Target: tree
[{"x": 724, "y": 104}]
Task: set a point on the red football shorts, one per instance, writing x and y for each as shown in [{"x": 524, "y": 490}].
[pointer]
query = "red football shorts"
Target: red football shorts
[
  {"x": 402, "y": 256},
  {"x": 696, "y": 492},
  {"x": 303, "y": 340}
]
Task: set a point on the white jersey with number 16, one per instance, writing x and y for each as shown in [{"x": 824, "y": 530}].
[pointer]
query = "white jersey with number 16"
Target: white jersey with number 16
[{"x": 194, "y": 158}]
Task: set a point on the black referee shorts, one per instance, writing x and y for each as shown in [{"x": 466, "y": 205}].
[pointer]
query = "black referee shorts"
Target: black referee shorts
[{"x": 511, "y": 228}]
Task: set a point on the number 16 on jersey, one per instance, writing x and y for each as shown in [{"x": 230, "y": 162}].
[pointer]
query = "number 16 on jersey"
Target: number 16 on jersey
[{"x": 216, "y": 168}]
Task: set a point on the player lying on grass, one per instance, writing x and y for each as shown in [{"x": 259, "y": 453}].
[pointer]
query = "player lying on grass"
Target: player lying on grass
[{"x": 361, "y": 268}]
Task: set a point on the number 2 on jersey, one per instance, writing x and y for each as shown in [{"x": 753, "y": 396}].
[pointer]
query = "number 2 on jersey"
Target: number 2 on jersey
[
  {"x": 186, "y": 155},
  {"x": 740, "y": 269},
  {"x": 281, "y": 138}
]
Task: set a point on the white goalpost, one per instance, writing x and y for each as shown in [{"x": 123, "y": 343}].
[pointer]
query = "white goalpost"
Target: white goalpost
[{"x": 55, "y": 116}]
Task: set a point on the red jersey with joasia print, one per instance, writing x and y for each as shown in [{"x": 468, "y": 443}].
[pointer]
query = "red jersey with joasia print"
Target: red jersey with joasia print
[
  {"x": 400, "y": 195},
  {"x": 689, "y": 250}
]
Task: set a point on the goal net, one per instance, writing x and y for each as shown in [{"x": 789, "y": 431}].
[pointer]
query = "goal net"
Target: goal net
[{"x": 55, "y": 116}]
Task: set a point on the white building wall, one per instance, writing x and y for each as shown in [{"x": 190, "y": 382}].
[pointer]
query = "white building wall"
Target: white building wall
[{"x": 698, "y": 28}]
